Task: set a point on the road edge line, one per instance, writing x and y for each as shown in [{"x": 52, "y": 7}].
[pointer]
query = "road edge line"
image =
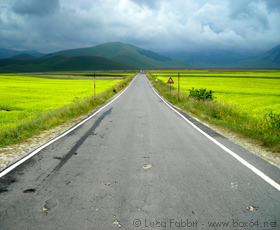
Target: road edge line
[
  {"x": 236, "y": 156},
  {"x": 34, "y": 152}
]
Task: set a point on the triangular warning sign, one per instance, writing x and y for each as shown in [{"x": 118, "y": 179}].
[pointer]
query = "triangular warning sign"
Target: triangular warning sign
[{"x": 170, "y": 81}]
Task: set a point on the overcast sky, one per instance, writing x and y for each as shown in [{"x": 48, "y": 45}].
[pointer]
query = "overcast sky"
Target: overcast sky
[{"x": 158, "y": 25}]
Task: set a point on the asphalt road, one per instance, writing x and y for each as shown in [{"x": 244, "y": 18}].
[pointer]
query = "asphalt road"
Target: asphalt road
[{"x": 139, "y": 165}]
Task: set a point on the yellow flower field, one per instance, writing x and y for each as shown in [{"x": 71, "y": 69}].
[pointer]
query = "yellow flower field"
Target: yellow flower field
[
  {"x": 23, "y": 98},
  {"x": 255, "y": 91}
]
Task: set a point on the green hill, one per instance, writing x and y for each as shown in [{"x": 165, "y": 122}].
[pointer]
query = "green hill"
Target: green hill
[
  {"x": 23, "y": 56},
  {"x": 127, "y": 54},
  {"x": 59, "y": 63},
  {"x": 8, "y": 53},
  {"x": 269, "y": 59},
  {"x": 273, "y": 55}
]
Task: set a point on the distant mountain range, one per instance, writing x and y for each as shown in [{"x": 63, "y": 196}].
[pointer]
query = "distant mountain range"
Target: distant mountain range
[
  {"x": 229, "y": 59},
  {"x": 117, "y": 56},
  {"x": 8, "y": 53},
  {"x": 126, "y": 54}
]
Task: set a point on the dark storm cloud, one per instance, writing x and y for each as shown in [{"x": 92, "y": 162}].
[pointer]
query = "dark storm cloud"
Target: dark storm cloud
[
  {"x": 273, "y": 4},
  {"x": 159, "y": 25},
  {"x": 35, "y": 7},
  {"x": 250, "y": 10},
  {"x": 148, "y": 3}
]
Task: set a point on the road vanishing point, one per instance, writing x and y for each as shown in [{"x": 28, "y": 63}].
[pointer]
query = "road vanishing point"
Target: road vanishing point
[{"x": 138, "y": 164}]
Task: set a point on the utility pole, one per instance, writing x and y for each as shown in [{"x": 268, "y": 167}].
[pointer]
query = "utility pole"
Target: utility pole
[
  {"x": 94, "y": 85},
  {"x": 178, "y": 86}
]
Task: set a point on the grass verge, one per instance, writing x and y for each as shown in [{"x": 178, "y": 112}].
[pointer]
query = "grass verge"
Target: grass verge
[
  {"x": 261, "y": 129},
  {"x": 59, "y": 116}
]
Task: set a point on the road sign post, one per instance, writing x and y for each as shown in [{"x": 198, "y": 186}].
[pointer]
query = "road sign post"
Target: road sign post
[{"x": 170, "y": 81}]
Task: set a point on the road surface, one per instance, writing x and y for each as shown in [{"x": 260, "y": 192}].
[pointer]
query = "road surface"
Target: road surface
[{"x": 139, "y": 165}]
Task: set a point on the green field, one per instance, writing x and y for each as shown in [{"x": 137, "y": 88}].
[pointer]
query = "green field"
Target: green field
[
  {"x": 27, "y": 98},
  {"x": 254, "y": 91}
]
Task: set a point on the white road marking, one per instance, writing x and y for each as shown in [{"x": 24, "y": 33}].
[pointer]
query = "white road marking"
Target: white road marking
[
  {"x": 248, "y": 165},
  {"x": 16, "y": 164}
]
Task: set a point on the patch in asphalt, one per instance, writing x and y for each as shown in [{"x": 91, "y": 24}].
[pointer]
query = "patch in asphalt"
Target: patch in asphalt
[
  {"x": 252, "y": 208},
  {"x": 234, "y": 185},
  {"x": 30, "y": 190},
  {"x": 49, "y": 205},
  {"x": 148, "y": 166},
  {"x": 110, "y": 183},
  {"x": 68, "y": 182},
  {"x": 117, "y": 223},
  {"x": 57, "y": 158}
]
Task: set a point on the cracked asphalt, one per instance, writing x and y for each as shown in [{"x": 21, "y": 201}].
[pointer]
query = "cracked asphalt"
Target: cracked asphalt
[{"x": 139, "y": 165}]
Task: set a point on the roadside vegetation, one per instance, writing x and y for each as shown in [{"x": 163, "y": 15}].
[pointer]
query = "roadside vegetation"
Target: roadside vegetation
[
  {"x": 244, "y": 102},
  {"x": 32, "y": 103}
]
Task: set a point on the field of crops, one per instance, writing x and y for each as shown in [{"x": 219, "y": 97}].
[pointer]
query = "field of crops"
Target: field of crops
[
  {"x": 255, "y": 91},
  {"x": 24, "y": 98}
]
